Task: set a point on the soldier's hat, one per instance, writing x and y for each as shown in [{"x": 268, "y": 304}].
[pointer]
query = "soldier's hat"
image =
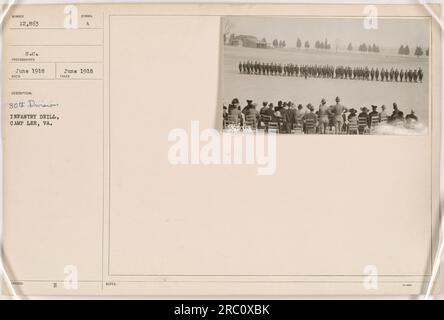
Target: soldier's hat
[
  {"x": 235, "y": 101},
  {"x": 364, "y": 109},
  {"x": 270, "y": 104},
  {"x": 337, "y": 99},
  {"x": 383, "y": 107},
  {"x": 310, "y": 107},
  {"x": 395, "y": 104},
  {"x": 323, "y": 101},
  {"x": 265, "y": 103},
  {"x": 374, "y": 107},
  {"x": 249, "y": 101},
  {"x": 300, "y": 106}
]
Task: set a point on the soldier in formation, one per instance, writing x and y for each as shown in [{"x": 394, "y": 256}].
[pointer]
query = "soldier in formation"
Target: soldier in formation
[
  {"x": 285, "y": 117},
  {"x": 328, "y": 71}
]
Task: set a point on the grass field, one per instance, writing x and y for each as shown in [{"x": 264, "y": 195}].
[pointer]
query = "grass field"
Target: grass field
[{"x": 353, "y": 93}]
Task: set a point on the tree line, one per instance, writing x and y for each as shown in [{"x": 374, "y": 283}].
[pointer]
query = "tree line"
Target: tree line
[
  {"x": 363, "y": 47},
  {"x": 278, "y": 43},
  {"x": 419, "y": 51}
]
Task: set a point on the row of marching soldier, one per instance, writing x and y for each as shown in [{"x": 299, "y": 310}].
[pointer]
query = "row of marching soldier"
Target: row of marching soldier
[{"x": 327, "y": 71}]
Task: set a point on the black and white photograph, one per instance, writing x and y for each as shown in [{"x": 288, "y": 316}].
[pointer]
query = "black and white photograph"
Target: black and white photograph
[{"x": 332, "y": 75}]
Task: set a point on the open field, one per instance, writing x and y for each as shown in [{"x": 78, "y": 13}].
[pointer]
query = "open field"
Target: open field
[{"x": 353, "y": 93}]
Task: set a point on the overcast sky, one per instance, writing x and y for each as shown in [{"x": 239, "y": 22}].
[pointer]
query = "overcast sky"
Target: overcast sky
[{"x": 391, "y": 33}]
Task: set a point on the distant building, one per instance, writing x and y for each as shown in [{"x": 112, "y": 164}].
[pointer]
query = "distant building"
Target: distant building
[{"x": 245, "y": 41}]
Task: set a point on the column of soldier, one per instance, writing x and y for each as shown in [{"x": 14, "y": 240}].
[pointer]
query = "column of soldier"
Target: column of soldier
[
  {"x": 285, "y": 117},
  {"x": 328, "y": 71}
]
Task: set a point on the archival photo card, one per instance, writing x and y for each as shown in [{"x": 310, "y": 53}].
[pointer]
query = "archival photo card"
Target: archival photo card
[
  {"x": 326, "y": 75},
  {"x": 120, "y": 181}
]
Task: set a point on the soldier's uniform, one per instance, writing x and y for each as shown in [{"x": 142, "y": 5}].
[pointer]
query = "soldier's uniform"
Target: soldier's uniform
[
  {"x": 264, "y": 108},
  {"x": 363, "y": 118},
  {"x": 251, "y": 111},
  {"x": 299, "y": 116},
  {"x": 420, "y": 74},
  {"x": 373, "y": 118},
  {"x": 395, "y": 114},
  {"x": 282, "y": 123},
  {"x": 289, "y": 119},
  {"x": 352, "y": 122},
  {"x": 310, "y": 116},
  {"x": 225, "y": 113},
  {"x": 383, "y": 117},
  {"x": 270, "y": 111},
  {"x": 234, "y": 111},
  {"x": 323, "y": 117},
  {"x": 337, "y": 110}
]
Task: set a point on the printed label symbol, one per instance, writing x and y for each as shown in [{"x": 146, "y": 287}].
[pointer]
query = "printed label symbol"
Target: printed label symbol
[
  {"x": 71, "y": 17},
  {"x": 371, "y": 18}
]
